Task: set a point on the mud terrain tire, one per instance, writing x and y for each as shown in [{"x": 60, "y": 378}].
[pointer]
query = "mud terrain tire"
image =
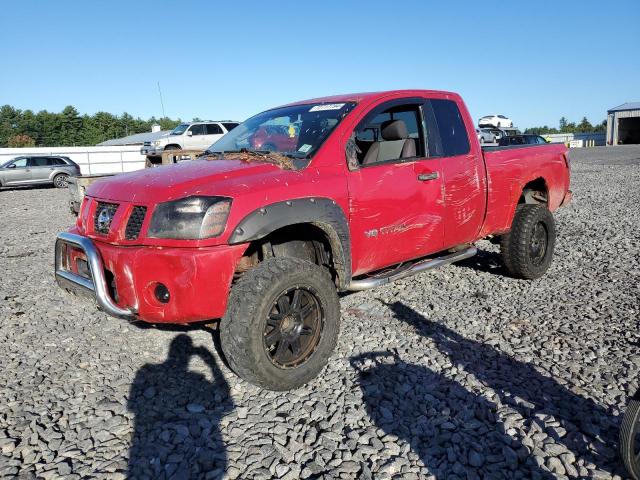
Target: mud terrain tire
[
  {"x": 267, "y": 295},
  {"x": 630, "y": 438},
  {"x": 527, "y": 250}
]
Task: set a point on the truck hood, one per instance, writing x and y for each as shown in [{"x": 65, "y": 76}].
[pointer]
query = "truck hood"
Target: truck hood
[{"x": 196, "y": 177}]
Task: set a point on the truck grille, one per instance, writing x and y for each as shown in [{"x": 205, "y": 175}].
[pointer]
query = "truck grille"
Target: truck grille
[
  {"x": 135, "y": 222},
  {"x": 104, "y": 216}
]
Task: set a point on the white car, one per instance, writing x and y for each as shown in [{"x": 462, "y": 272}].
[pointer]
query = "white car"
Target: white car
[
  {"x": 191, "y": 136},
  {"x": 495, "y": 121},
  {"x": 485, "y": 135}
]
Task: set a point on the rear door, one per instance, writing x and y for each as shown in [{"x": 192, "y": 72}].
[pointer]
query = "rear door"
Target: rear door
[
  {"x": 40, "y": 169},
  {"x": 395, "y": 199},
  {"x": 462, "y": 166}
]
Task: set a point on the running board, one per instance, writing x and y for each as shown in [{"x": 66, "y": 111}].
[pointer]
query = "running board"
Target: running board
[{"x": 419, "y": 266}]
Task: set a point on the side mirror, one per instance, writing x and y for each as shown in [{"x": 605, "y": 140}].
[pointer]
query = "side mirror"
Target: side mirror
[
  {"x": 351, "y": 153},
  {"x": 189, "y": 133},
  {"x": 13, "y": 165}
]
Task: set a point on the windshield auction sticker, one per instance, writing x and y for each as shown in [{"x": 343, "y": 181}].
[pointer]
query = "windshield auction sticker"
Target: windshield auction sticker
[{"x": 328, "y": 106}]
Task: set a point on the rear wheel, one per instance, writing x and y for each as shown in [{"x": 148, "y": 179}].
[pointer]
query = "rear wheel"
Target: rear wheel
[
  {"x": 630, "y": 438},
  {"x": 282, "y": 323},
  {"x": 527, "y": 250},
  {"x": 61, "y": 180}
]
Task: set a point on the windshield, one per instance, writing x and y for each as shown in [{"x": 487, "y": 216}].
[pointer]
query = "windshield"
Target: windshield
[
  {"x": 179, "y": 130},
  {"x": 296, "y": 131}
]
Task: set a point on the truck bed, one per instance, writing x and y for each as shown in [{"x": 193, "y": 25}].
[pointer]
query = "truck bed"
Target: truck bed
[{"x": 510, "y": 168}]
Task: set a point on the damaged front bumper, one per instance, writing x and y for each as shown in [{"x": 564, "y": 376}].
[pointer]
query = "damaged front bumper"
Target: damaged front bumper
[
  {"x": 124, "y": 280},
  {"x": 94, "y": 285}
]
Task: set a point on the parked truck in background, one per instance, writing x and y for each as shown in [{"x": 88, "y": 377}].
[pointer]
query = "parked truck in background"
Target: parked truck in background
[{"x": 376, "y": 187}]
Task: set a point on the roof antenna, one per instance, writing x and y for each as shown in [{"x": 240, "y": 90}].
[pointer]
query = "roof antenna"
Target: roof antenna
[{"x": 161, "y": 102}]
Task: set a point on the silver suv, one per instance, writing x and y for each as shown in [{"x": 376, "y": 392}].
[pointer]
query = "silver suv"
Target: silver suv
[{"x": 38, "y": 170}]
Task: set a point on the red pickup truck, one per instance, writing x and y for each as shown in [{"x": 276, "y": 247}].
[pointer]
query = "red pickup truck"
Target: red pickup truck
[{"x": 376, "y": 187}]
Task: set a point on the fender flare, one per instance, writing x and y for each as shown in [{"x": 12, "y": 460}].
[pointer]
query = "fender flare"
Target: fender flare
[{"x": 323, "y": 213}]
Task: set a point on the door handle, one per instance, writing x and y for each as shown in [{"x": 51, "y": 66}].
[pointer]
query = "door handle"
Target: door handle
[{"x": 425, "y": 177}]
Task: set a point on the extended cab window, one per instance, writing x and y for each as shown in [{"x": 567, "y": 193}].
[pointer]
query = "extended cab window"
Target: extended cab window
[
  {"x": 446, "y": 132},
  {"x": 392, "y": 134},
  {"x": 213, "y": 129}
]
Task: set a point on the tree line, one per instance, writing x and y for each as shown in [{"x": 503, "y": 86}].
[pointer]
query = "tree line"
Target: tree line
[
  {"x": 24, "y": 128},
  {"x": 565, "y": 126}
]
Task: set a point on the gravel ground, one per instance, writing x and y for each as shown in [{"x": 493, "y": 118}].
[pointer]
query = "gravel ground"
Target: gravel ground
[{"x": 458, "y": 373}]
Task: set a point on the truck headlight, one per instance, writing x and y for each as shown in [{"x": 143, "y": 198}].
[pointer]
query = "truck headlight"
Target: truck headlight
[{"x": 190, "y": 218}]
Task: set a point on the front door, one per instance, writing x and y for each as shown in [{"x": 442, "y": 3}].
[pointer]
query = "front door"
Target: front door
[
  {"x": 395, "y": 190},
  {"x": 194, "y": 138},
  {"x": 17, "y": 172}
]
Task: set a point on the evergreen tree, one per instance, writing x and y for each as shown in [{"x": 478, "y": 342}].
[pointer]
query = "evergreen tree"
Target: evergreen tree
[{"x": 69, "y": 128}]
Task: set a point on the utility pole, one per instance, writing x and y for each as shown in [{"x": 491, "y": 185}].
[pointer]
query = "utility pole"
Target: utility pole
[{"x": 161, "y": 102}]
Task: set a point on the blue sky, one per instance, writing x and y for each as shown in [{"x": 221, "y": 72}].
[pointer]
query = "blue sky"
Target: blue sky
[{"x": 534, "y": 61}]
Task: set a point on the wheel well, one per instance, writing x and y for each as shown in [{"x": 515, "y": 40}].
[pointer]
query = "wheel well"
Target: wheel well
[
  {"x": 173, "y": 146},
  {"x": 535, "y": 192},
  {"x": 304, "y": 241}
]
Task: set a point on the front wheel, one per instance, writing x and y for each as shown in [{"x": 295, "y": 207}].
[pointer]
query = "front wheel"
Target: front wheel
[
  {"x": 282, "y": 323},
  {"x": 630, "y": 438},
  {"x": 527, "y": 250},
  {"x": 61, "y": 180}
]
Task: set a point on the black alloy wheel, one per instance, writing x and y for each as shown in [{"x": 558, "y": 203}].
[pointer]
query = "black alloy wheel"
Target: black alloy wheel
[
  {"x": 293, "y": 328},
  {"x": 538, "y": 244}
]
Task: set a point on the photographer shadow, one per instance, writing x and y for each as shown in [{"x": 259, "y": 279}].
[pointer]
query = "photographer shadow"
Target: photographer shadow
[
  {"x": 457, "y": 432},
  {"x": 177, "y": 416}
]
